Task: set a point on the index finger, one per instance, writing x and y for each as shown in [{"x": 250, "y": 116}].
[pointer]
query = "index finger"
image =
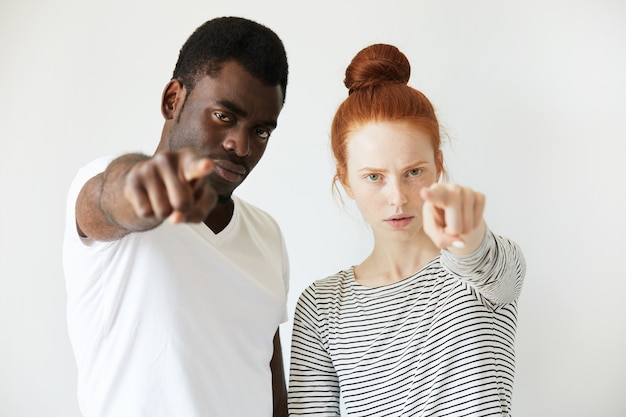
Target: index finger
[
  {"x": 194, "y": 167},
  {"x": 437, "y": 194},
  {"x": 449, "y": 200}
]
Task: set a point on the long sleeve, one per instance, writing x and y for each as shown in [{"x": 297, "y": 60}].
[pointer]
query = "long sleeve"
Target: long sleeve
[
  {"x": 313, "y": 382},
  {"x": 496, "y": 269}
]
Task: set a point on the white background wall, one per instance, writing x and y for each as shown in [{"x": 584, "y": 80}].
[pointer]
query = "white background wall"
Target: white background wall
[{"x": 531, "y": 94}]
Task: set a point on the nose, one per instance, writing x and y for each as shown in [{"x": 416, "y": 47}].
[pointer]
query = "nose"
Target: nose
[
  {"x": 397, "y": 193},
  {"x": 238, "y": 142}
]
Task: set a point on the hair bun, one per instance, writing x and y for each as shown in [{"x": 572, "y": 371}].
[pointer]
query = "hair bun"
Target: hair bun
[{"x": 377, "y": 64}]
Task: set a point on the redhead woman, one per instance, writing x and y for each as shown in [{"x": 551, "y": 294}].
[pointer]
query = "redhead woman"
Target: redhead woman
[{"x": 425, "y": 325}]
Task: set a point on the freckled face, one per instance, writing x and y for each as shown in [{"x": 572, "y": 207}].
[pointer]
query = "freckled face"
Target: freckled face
[
  {"x": 229, "y": 119},
  {"x": 388, "y": 163}
]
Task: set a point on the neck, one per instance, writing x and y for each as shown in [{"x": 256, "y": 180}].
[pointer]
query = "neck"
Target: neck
[
  {"x": 221, "y": 215},
  {"x": 393, "y": 261}
]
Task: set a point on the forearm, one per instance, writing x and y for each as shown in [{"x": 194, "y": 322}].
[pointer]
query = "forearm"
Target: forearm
[
  {"x": 495, "y": 269},
  {"x": 279, "y": 386},
  {"x": 102, "y": 210},
  {"x": 471, "y": 241}
]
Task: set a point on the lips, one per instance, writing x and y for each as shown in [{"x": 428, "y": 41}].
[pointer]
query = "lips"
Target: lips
[
  {"x": 229, "y": 171},
  {"x": 399, "y": 221}
]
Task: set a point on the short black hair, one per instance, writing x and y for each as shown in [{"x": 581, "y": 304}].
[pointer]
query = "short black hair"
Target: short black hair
[{"x": 254, "y": 46}]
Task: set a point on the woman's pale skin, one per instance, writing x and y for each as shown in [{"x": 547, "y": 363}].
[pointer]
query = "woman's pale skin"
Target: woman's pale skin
[{"x": 392, "y": 175}]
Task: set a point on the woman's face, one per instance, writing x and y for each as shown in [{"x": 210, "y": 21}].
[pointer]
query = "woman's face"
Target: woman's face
[{"x": 388, "y": 163}]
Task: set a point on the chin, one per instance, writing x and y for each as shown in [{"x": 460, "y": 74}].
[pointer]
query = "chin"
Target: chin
[{"x": 222, "y": 187}]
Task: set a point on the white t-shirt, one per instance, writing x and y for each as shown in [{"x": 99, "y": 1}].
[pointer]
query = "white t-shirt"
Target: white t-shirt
[{"x": 176, "y": 321}]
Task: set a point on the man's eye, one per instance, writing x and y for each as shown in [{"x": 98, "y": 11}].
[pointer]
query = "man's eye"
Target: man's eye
[
  {"x": 222, "y": 117},
  {"x": 263, "y": 134}
]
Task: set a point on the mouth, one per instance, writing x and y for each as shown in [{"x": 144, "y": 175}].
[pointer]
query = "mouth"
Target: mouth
[
  {"x": 229, "y": 171},
  {"x": 398, "y": 222}
]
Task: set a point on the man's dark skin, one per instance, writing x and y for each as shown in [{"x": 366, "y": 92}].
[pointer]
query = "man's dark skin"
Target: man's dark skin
[{"x": 212, "y": 138}]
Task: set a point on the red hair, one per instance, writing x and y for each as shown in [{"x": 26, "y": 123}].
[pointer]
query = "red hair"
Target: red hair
[{"x": 377, "y": 81}]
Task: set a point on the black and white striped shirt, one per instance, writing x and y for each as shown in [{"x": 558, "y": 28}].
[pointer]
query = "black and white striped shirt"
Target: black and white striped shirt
[{"x": 438, "y": 343}]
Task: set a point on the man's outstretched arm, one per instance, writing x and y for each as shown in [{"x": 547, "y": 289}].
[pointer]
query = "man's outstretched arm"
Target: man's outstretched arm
[{"x": 137, "y": 193}]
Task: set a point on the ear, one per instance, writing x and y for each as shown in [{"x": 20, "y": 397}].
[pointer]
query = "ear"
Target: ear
[
  {"x": 348, "y": 189},
  {"x": 173, "y": 97},
  {"x": 439, "y": 163},
  {"x": 339, "y": 179}
]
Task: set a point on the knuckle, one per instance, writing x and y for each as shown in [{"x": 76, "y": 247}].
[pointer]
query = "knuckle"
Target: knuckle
[
  {"x": 162, "y": 161},
  {"x": 162, "y": 211},
  {"x": 145, "y": 211},
  {"x": 161, "y": 157}
]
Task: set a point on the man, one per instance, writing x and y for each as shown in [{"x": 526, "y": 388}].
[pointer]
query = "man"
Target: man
[{"x": 176, "y": 288}]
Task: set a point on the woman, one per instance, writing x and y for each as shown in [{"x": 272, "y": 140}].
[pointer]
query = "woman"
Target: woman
[{"x": 425, "y": 325}]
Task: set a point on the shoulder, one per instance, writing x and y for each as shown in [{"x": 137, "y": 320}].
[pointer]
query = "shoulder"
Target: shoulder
[
  {"x": 329, "y": 287},
  {"x": 253, "y": 214},
  {"x": 316, "y": 299},
  {"x": 95, "y": 166},
  {"x": 89, "y": 170},
  {"x": 82, "y": 175},
  {"x": 341, "y": 278}
]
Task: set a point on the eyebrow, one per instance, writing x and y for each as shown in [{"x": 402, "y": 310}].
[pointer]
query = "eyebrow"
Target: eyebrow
[
  {"x": 414, "y": 165},
  {"x": 370, "y": 169},
  {"x": 242, "y": 113}
]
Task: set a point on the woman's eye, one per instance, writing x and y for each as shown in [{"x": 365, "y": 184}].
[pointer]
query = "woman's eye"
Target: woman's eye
[
  {"x": 263, "y": 133},
  {"x": 373, "y": 177},
  {"x": 415, "y": 172}
]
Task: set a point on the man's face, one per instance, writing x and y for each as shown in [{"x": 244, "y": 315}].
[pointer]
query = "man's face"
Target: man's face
[{"x": 227, "y": 118}]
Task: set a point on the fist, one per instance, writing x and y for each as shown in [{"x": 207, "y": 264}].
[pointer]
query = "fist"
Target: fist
[
  {"x": 452, "y": 214},
  {"x": 171, "y": 185}
]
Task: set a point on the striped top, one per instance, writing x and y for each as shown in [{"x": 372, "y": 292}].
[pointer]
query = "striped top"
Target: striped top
[{"x": 438, "y": 343}]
